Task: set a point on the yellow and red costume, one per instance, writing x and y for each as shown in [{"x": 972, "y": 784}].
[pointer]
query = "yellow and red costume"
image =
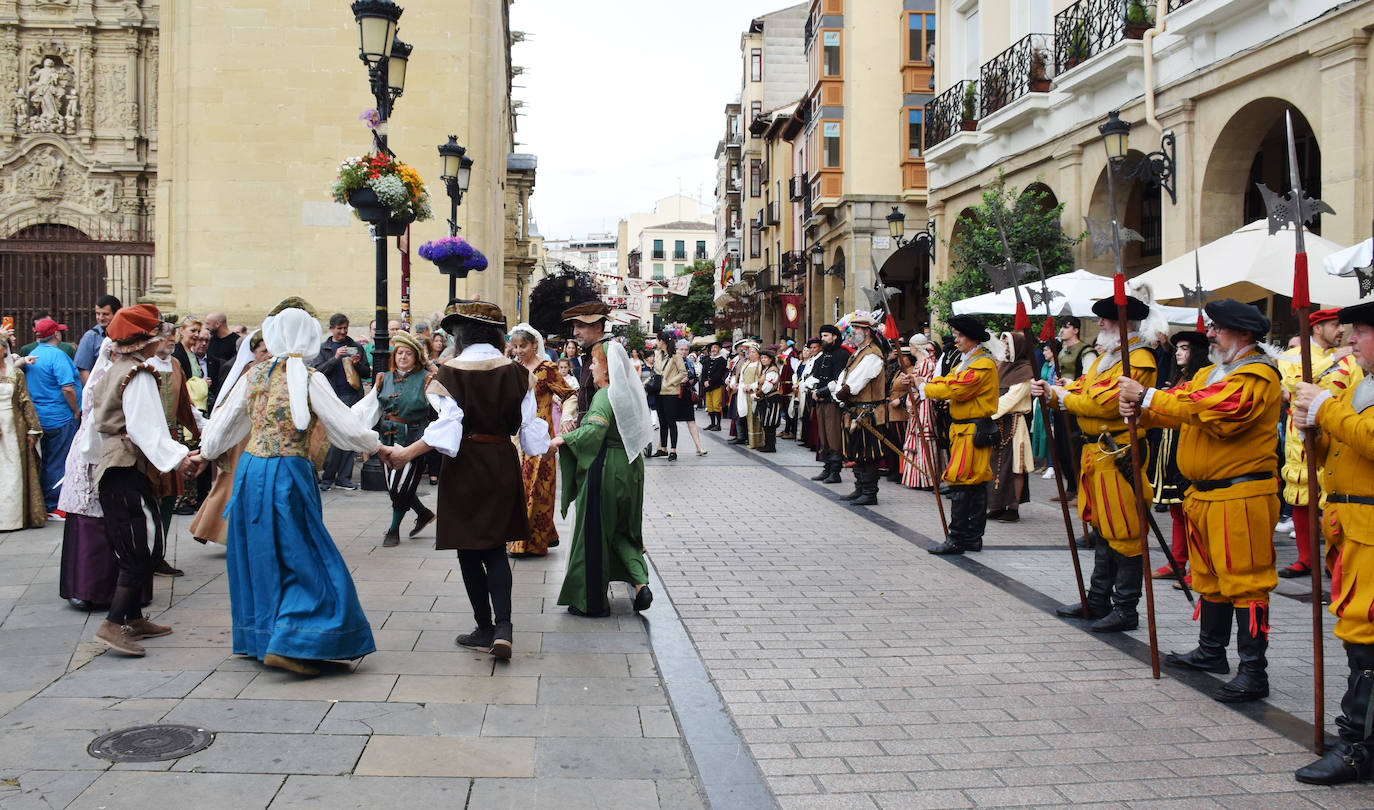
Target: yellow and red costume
[
  {"x": 1346, "y": 446},
  {"x": 1227, "y": 417},
  {"x": 1106, "y": 500},
  {"x": 971, "y": 389}
]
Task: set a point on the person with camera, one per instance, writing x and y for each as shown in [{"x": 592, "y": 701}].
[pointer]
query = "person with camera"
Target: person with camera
[
  {"x": 1106, "y": 497},
  {"x": 970, "y": 388},
  {"x": 341, "y": 361}
]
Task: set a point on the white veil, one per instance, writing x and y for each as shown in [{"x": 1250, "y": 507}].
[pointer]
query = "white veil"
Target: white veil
[
  {"x": 628, "y": 403},
  {"x": 241, "y": 361},
  {"x": 538, "y": 338},
  {"x": 291, "y": 335}
]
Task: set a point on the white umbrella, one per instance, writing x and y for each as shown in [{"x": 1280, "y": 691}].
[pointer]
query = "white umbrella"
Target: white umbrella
[
  {"x": 1249, "y": 264},
  {"x": 1344, "y": 262},
  {"x": 1078, "y": 291}
]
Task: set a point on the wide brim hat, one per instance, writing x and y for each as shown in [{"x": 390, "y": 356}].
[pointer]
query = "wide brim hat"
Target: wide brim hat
[
  {"x": 1136, "y": 310},
  {"x": 970, "y": 327},
  {"x": 1233, "y": 314},
  {"x": 771, "y": 351},
  {"x": 590, "y": 312},
  {"x": 1362, "y": 313},
  {"x": 483, "y": 312},
  {"x": 135, "y": 327},
  {"x": 408, "y": 340}
]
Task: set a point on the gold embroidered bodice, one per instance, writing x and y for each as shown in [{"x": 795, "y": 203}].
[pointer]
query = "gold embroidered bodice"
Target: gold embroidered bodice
[{"x": 272, "y": 432}]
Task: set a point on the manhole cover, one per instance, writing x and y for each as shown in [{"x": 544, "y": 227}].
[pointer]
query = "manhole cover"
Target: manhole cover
[{"x": 150, "y": 743}]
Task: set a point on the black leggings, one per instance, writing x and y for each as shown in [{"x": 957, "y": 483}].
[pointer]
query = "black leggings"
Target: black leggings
[
  {"x": 133, "y": 527},
  {"x": 667, "y": 422},
  {"x": 486, "y": 575}
]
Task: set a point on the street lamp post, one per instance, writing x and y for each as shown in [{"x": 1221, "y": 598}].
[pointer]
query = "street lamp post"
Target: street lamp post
[
  {"x": 1155, "y": 168},
  {"x": 457, "y": 174},
  {"x": 896, "y": 227},
  {"x": 385, "y": 57}
]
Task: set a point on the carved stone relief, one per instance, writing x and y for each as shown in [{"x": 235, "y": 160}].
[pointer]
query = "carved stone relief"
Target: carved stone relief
[
  {"x": 46, "y": 175},
  {"x": 49, "y": 100}
]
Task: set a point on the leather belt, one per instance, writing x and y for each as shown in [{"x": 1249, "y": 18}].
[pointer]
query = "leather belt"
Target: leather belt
[
  {"x": 1223, "y": 483},
  {"x": 1359, "y": 499},
  {"x": 485, "y": 438}
]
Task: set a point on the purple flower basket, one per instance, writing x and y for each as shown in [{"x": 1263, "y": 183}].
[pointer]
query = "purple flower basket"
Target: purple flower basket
[{"x": 454, "y": 256}]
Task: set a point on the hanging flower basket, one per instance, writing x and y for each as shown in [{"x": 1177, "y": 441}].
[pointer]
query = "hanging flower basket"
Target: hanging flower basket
[
  {"x": 381, "y": 188},
  {"x": 454, "y": 256}
]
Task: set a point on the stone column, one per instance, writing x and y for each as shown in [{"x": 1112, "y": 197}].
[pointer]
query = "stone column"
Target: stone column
[
  {"x": 1179, "y": 223},
  {"x": 1074, "y": 196},
  {"x": 1341, "y": 135}
]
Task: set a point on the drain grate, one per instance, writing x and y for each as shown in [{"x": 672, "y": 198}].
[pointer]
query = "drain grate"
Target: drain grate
[{"x": 150, "y": 743}]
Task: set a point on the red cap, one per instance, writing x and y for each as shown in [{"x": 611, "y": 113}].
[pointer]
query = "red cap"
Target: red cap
[
  {"x": 1322, "y": 315},
  {"x": 133, "y": 322},
  {"x": 46, "y": 327}
]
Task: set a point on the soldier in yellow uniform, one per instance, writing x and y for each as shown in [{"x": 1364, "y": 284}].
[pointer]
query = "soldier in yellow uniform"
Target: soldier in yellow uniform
[
  {"x": 1106, "y": 499},
  {"x": 1332, "y": 369},
  {"x": 971, "y": 390},
  {"x": 862, "y": 388},
  {"x": 1228, "y": 419},
  {"x": 1345, "y": 423}
]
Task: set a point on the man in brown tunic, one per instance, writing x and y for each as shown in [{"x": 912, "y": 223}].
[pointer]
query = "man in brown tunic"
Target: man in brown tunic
[
  {"x": 483, "y": 399},
  {"x": 589, "y": 328}
]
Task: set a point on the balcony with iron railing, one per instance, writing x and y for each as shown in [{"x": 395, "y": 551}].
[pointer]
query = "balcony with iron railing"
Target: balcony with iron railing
[
  {"x": 770, "y": 214},
  {"x": 700, "y": 255},
  {"x": 1022, "y": 69},
  {"x": 1175, "y": 5},
  {"x": 951, "y": 112},
  {"x": 1090, "y": 27},
  {"x": 796, "y": 185},
  {"x": 680, "y": 255}
]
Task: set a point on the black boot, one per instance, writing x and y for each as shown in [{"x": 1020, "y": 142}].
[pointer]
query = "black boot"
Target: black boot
[
  {"x": 1099, "y": 588},
  {"x": 1125, "y": 595},
  {"x": 867, "y": 473},
  {"x": 770, "y": 440},
  {"x": 824, "y": 475},
  {"x": 857, "y": 469},
  {"x": 977, "y": 517},
  {"x": 1252, "y": 640},
  {"x": 1350, "y": 759},
  {"x": 1213, "y": 636},
  {"x": 836, "y": 462},
  {"x": 958, "y": 520}
]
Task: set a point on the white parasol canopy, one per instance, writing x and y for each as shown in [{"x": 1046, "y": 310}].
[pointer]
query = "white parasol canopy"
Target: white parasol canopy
[
  {"x": 1344, "y": 262},
  {"x": 1078, "y": 291},
  {"x": 1249, "y": 264}
]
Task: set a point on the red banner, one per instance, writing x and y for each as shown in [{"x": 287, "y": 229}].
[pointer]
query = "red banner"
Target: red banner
[{"x": 791, "y": 310}]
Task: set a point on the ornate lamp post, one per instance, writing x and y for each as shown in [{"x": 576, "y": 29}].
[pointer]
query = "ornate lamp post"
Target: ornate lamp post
[
  {"x": 1156, "y": 168},
  {"x": 896, "y": 227},
  {"x": 385, "y": 57},
  {"x": 457, "y": 174}
]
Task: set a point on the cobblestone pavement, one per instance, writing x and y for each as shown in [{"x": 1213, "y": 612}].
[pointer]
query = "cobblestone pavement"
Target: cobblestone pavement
[
  {"x": 866, "y": 673},
  {"x": 859, "y": 671},
  {"x": 578, "y": 719}
]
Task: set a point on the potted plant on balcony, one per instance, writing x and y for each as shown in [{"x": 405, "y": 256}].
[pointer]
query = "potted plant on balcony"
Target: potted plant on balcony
[
  {"x": 1039, "y": 71},
  {"x": 383, "y": 191},
  {"x": 1076, "y": 50},
  {"x": 454, "y": 256},
  {"x": 970, "y": 106},
  {"x": 1138, "y": 19}
]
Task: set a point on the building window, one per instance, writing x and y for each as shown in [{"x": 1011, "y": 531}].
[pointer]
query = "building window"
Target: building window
[
  {"x": 915, "y": 132},
  {"x": 755, "y": 110},
  {"x": 920, "y": 36},
  {"x": 756, "y": 65},
  {"x": 677, "y": 270},
  {"x": 1151, "y": 222},
  {"x": 658, "y": 271},
  {"x": 701, "y": 249},
  {"x": 679, "y": 250},
  {"x": 755, "y": 242},
  {"x": 830, "y": 53},
  {"x": 755, "y": 177},
  {"x": 830, "y": 144},
  {"x": 658, "y": 248}
]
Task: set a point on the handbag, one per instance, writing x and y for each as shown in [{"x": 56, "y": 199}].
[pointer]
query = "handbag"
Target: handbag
[{"x": 654, "y": 384}]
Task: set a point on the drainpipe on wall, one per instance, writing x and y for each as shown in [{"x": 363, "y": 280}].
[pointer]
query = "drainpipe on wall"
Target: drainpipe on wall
[{"x": 1161, "y": 9}]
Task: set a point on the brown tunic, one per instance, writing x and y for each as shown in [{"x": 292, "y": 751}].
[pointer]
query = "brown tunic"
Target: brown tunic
[{"x": 481, "y": 494}]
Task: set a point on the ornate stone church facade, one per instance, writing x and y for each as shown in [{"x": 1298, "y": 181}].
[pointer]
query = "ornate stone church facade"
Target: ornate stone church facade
[{"x": 78, "y": 152}]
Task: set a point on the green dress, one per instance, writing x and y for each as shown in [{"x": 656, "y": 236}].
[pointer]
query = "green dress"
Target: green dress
[{"x": 608, "y": 541}]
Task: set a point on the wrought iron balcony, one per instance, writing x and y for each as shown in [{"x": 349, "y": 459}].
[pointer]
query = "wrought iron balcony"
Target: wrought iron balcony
[
  {"x": 1175, "y": 5},
  {"x": 771, "y": 214},
  {"x": 1090, "y": 27},
  {"x": 952, "y": 111},
  {"x": 1023, "y": 68},
  {"x": 795, "y": 184},
  {"x": 700, "y": 255}
]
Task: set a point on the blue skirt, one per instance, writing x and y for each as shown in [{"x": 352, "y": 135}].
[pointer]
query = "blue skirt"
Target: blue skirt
[{"x": 289, "y": 589}]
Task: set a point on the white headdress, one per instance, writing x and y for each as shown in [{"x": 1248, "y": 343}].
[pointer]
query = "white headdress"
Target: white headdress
[
  {"x": 628, "y": 403},
  {"x": 538, "y": 338},
  {"x": 290, "y": 335}
]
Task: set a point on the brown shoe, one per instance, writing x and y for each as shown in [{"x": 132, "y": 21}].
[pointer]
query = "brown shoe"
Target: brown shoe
[
  {"x": 289, "y": 664},
  {"x": 115, "y": 637},
  {"x": 141, "y": 628}
]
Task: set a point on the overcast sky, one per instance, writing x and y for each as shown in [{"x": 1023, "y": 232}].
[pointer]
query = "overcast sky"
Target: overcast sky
[{"x": 624, "y": 102}]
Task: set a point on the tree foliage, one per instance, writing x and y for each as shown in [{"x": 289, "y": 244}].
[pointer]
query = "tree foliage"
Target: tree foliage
[
  {"x": 634, "y": 335},
  {"x": 698, "y": 307},
  {"x": 552, "y": 295},
  {"x": 1031, "y": 224}
]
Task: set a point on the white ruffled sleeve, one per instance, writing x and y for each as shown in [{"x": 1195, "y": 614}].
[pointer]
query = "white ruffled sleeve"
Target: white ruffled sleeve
[
  {"x": 341, "y": 425},
  {"x": 445, "y": 434},
  {"x": 367, "y": 409},
  {"x": 534, "y": 432},
  {"x": 228, "y": 423},
  {"x": 146, "y": 424}
]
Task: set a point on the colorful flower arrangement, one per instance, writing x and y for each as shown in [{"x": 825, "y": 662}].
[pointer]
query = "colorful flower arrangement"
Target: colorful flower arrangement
[
  {"x": 398, "y": 187},
  {"x": 454, "y": 249},
  {"x": 678, "y": 331}
]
